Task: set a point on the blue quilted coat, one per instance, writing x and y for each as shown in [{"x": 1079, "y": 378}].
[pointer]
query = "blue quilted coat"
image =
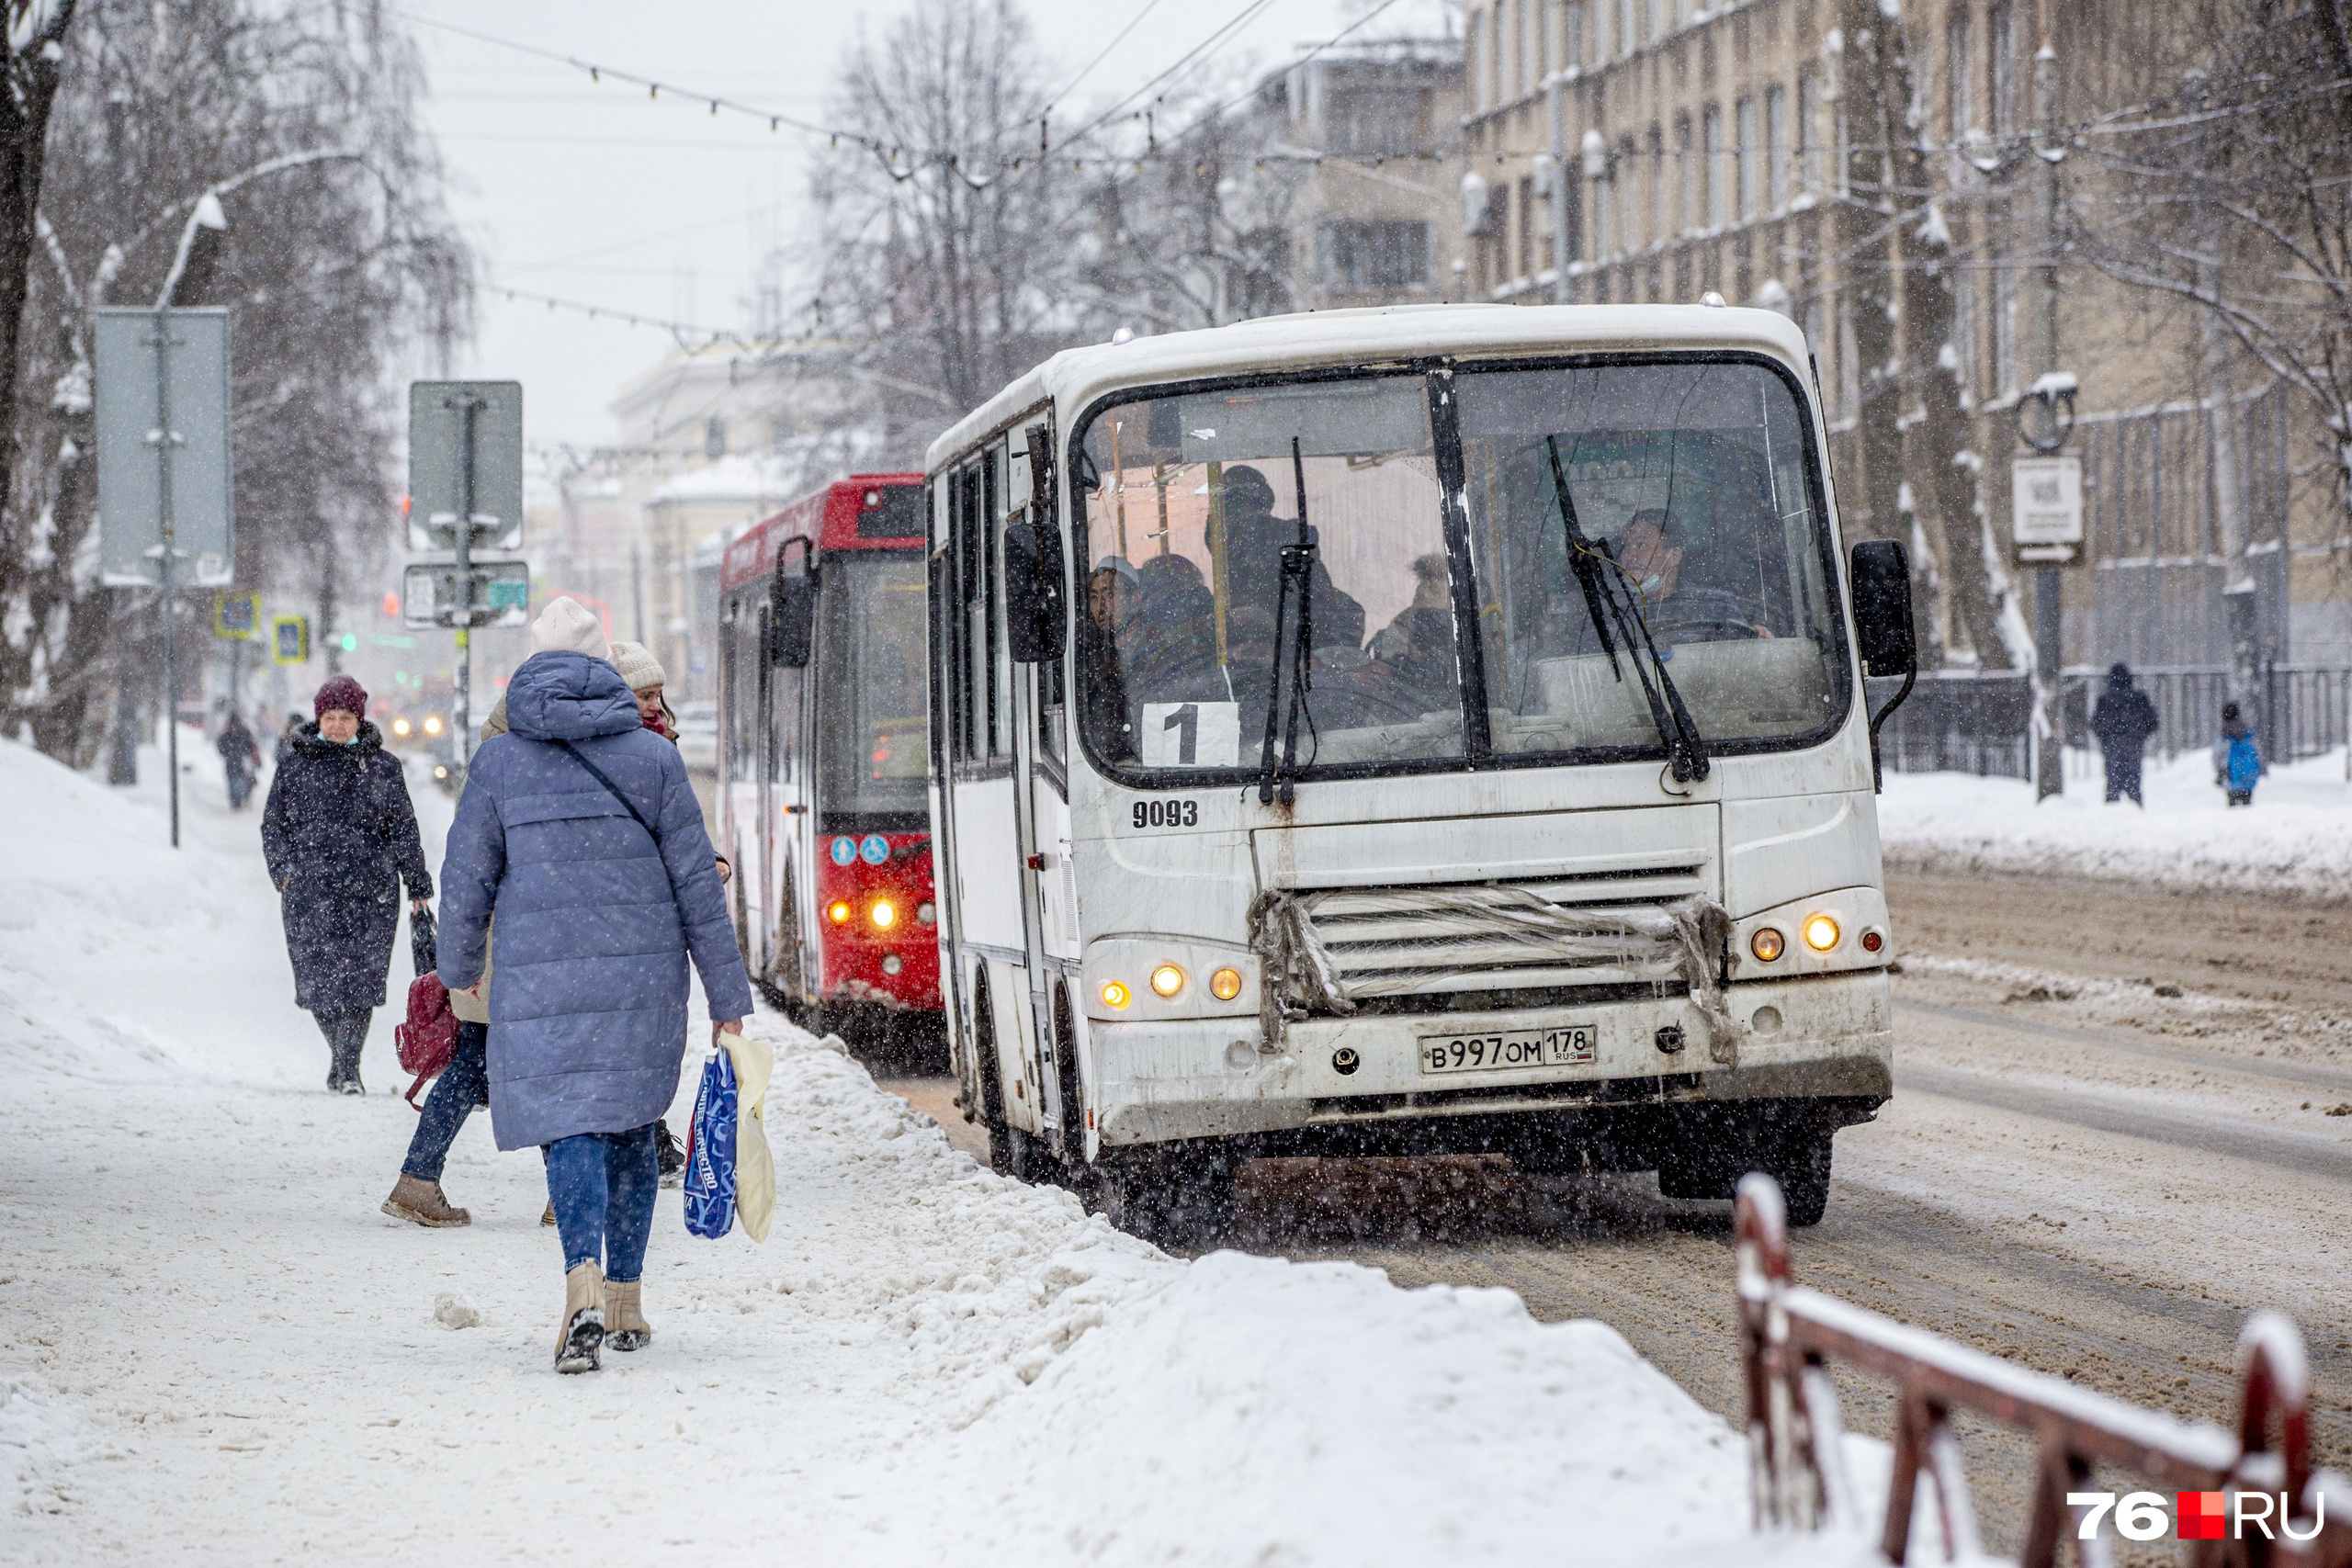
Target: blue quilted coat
[{"x": 595, "y": 921}]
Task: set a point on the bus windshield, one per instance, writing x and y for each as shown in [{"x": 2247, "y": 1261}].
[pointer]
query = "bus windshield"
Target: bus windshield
[
  {"x": 873, "y": 741},
  {"x": 1692, "y": 484}
]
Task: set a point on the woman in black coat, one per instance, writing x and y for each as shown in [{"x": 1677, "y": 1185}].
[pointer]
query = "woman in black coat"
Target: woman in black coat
[{"x": 341, "y": 838}]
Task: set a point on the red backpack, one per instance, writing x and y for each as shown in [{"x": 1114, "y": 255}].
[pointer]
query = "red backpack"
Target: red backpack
[{"x": 430, "y": 1037}]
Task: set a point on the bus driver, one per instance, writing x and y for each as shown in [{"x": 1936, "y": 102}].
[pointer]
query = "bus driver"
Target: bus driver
[{"x": 1650, "y": 551}]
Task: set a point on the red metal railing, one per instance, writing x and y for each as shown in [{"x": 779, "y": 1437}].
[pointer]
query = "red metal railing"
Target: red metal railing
[{"x": 1789, "y": 1334}]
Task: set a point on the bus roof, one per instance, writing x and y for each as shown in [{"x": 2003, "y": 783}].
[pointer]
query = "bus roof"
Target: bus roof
[
  {"x": 1323, "y": 338},
  {"x": 830, "y": 517}
]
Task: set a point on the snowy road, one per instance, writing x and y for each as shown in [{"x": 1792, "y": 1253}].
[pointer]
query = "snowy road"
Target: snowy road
[{"x": 2076, "y": 1172}]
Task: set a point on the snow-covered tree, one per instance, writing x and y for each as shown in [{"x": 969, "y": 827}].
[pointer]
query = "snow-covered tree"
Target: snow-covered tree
[{"x": 268, "y": 158}]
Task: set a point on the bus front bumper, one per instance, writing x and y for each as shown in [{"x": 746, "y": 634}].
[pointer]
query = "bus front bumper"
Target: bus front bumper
[{"x": 1828, "y": 1038}]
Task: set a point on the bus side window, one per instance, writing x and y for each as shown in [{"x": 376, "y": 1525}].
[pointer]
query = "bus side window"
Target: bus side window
[
  {"x": 1000, "y": 655},
  {"x": 971, "y": 571}
]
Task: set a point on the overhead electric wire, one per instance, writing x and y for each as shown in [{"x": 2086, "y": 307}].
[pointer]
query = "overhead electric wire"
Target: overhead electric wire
[{"x": 1149, "y": 5}]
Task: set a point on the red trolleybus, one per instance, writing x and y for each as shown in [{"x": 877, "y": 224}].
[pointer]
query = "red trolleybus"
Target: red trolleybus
[{"x": 823, "y": 761}]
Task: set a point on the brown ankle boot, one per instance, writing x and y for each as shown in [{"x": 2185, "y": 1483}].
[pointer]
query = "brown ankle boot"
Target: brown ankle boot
[
  {"x": 625, "y": 1325},
  {"x": 582, "y": 1333},
  {"x": 421, "y": 1202},
  {"x": 546, "y": 1215}
]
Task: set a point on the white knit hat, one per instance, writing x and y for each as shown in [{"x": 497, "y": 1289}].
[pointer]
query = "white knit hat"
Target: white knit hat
[
  {"x": 638, "y": 666},
  {"x": 566, "y": 625}
]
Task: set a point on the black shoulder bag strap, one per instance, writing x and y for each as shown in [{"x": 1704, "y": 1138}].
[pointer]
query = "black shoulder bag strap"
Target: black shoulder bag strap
[{"x": 627, "y": 805}]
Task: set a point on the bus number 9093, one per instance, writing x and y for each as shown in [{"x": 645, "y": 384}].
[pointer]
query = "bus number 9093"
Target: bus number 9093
[{"x": 1168, "y": 813}]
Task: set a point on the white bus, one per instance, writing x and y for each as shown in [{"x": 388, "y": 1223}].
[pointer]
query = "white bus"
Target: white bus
[{"x": 1421, "y": 730}]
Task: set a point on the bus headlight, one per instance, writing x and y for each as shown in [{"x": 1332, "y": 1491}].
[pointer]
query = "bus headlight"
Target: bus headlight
[
  {"x": 399, "y": 727},
  {"x": 432, "y": 724},
  {"x": 1115, "y": 994},
  {"x": 884, "y": 914},
  {"x": 1167, "y": 980},
  {"x": 1767, "y": 944},
  {"x": 1820, "y": 932},
  {"x": 838, "y": 911},
  {"x": 1226, "y": 985}
]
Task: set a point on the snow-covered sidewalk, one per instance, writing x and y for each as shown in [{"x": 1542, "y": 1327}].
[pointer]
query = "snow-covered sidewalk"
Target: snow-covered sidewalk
[
  {"x": 213, "y": 1349},
  {"x": 2296, "y": 840}
]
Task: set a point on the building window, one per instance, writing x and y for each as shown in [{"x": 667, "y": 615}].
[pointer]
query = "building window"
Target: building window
[
  {"x": 1745, "y": 169},
  {"x": 1626, "y": 37},
  {"x": 1629, "y": 194},
  {"x": 1711, "y": 166},
  {"x": 714, "y": 437},
  {"x": 1849, "y": 368},
  {"x": 1958, "y": 78},
  {"x": 1480, "y": 95},
  {"x": 1523, "y": 42},
  {"x": 1686, "y": 178},
  {"x": 1776, "y": 148},
  {"x": 2004, "y": 74},
  {"x": 1376, "y": 122},
  {"x": 1359, "y": 256},
  {"x": 2005, "y": 329},
  {"x": 1809, "y": 131},
  {"x": 1572, "y": 50},
  {"x": 1658, "y": 218}
]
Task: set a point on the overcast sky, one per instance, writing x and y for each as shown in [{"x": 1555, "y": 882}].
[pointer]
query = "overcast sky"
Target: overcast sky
[{"x": 599, "y": 194}]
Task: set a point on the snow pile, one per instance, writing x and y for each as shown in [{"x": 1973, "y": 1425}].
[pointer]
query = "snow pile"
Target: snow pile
[
  {"x": 925, "y": 1361},
  {"x": 2296, "y": 838}
]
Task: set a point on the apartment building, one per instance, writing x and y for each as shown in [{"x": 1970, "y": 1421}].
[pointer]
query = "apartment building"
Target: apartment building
[{"x": 1661, "y": 150}]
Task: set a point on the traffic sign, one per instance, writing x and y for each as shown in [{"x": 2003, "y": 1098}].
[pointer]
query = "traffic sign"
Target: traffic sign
[
  {"x": 236, "y": 617},
  {"x": 2046, "y": 509},
  {"x": 289, "y": 640},
  {"x": 140, "y": 373},
  {"x": 443, "y": 417},
  {"x": 502, "y": 595}
]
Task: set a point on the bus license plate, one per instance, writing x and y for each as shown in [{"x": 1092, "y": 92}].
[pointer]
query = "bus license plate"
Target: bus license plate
[{"x": 1557, "y": 1047}]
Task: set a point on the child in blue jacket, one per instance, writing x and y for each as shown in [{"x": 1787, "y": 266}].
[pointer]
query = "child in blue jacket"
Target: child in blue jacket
[{"x": 2238, "y": 759}]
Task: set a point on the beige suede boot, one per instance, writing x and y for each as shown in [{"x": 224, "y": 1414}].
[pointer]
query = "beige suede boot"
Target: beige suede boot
[
  {"x": 421, "y": 1202},
  {"x": 625, "y": 1325},
  {"x": 583, "y": 1320}
]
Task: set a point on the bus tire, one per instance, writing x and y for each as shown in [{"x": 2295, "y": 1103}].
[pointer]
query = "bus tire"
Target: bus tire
[
  {"x": 1180, "y": 1197},
  {"x": 1004, "y": 1157},
  {"x": 1801, "y": 1164}
]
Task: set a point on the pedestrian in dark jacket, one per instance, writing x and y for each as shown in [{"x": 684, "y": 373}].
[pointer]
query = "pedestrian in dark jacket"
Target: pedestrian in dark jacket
[
  {"x": 240, "y": 758},
  {"x": 340, "y": 837},
  {"x": 286, "y": 736},
  {"x": 2123, "y": 719},
  {"x": 602, "y": 887},
  {"x": 2237, "y": 757}
]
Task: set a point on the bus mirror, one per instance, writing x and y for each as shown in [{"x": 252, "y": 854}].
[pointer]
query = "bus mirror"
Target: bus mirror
[
  {"x": 1032, "y": 592},
  {"x": 794, "y": 622},
  {"x": 1882, "y": 578}
]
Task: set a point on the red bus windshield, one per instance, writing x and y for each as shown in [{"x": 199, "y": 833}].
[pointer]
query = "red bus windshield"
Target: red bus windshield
[{"x": 873, "y": 738}]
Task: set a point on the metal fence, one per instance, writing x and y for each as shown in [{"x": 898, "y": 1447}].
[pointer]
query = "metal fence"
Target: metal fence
[{"x": 1961, "y": 722}]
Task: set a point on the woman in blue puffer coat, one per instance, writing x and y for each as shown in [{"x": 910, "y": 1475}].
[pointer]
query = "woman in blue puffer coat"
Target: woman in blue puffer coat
[{"x": 579, "y": 831}]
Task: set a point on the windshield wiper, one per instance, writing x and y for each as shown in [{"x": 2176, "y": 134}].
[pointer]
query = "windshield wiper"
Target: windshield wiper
[
  {"x": 1298, "y": 566},
  {"x": 1608, "y": 599}
]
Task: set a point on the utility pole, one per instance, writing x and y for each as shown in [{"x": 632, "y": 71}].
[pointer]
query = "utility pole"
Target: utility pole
[
  {"x": 164, "y": 437},
  {"x": 465, "y": 403},
  {"x": 2049, "y": 602}
]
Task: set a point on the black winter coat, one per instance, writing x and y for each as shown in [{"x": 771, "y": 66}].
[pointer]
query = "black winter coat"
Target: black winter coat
[{"x": 341, "y": 838}]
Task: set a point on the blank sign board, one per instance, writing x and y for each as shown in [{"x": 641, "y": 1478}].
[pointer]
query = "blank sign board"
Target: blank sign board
[
  {"x": 191, "y": 350},
  {"x": 438, "y": 453}
]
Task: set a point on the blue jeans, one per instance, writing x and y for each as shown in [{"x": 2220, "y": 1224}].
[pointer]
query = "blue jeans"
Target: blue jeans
[
  {"x": 603, "y": 1186},
  {"x": 463, "y": 1085}
]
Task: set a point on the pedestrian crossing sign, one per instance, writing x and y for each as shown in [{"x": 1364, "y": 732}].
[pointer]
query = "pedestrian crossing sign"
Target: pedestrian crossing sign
[
  {"x": 236, "y": 617},
  {"x": 289, "y": 640}
]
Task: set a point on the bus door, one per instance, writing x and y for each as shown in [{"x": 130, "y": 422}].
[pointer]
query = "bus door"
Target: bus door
[
  {"x": 990, "y": 922},
  {"x": 1048, "y": 916},
  {"x": 784, "y": 819}
]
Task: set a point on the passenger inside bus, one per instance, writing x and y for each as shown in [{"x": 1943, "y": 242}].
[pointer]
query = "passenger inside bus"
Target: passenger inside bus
[
  {"x": 1111, "y": 601},
  {"x": 1254, "y": 538}
]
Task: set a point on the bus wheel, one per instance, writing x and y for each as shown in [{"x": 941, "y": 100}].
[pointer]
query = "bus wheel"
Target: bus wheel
[
  {"x": 1175, "y": 1198},
  {"x": 1800, "y": 1163}
]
